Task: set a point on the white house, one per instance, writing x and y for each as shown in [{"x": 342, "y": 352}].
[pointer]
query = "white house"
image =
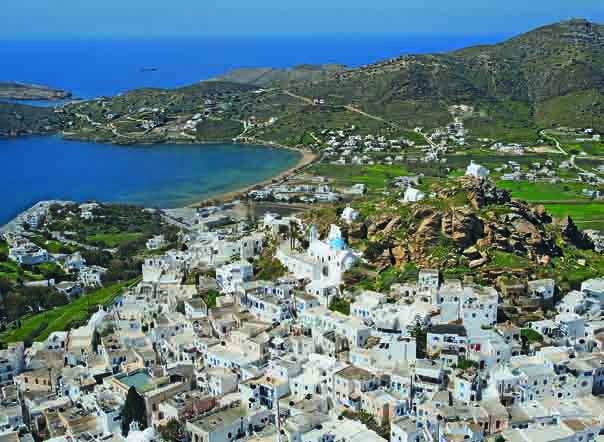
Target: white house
[
  {"x": 477, "y": 171},
  {"x": 230, "y": 276},
  {"x": 349, "y": 215},
  {"x": 74, "y": 263},
  {"x": 157, "y": 242},
  {"x": 91, "y": 276},
  {"x": 413, "y": 195},
  {"x": 28, "y": 254},
  {"x": 542, "y": 290}
]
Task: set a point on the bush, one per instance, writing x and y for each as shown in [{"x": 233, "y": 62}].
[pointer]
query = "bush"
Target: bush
[
  {"x": 269, "y": 269},
  {"x": 531, "y": 335},
  {"x": 465, "y": 364},
  {"x": 340, "y": 305}
]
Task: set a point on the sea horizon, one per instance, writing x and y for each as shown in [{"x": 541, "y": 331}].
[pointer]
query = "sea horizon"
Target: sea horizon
[{"x": 73, "y": 64}]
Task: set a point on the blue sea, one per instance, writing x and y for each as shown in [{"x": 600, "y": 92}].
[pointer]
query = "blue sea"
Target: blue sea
[
  {"x": 165, "y": 175},
  {"x": 162, "y": 176}
]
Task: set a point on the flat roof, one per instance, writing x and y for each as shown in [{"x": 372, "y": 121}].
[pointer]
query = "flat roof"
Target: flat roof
[
  {"x": 356, "y": 373},
  {"x": 222, "y": 418},
  {"x": 137, "y": 380}
]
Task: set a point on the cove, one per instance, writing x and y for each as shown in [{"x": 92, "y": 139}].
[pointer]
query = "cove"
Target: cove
[{"x": 165, "y": 175}]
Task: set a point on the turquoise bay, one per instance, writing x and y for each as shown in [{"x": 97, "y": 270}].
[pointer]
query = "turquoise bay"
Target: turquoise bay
[{"x": 166, "y": 175}]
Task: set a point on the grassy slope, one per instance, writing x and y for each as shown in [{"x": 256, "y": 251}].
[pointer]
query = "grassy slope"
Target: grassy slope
[
  {"x": 115, "y": 239},
  {"x": 60, "y": 318}
]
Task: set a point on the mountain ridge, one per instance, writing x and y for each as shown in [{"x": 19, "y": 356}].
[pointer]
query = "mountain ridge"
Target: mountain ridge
[
  {"x": 549, "y": 77},
  {"x": 535, "y": 69}
]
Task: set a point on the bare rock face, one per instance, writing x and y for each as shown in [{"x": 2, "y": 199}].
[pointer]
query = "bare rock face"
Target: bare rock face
[
  {"x": 542, "y": 215},
  {"x": 400, "y": 254},
  {"x": 427, "y": 232},
  {"x": 478, "y": 262},
  {"x": 377, "y": 225},
  {"x": 463, "y": 226},
  {"x": 482, "y": 193},
  {"x": 358, "y": 231},
  {"x": 392, "y": 225}
]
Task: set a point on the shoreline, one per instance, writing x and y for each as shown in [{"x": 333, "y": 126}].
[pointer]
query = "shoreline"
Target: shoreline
[{"x": 308, "y": 157}]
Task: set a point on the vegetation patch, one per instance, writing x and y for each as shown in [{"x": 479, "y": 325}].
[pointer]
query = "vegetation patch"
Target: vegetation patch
[{"x": 39, "y": 326}]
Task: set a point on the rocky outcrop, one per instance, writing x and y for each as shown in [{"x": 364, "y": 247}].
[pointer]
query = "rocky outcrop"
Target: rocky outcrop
[
  {"x": 479, "y": 193},
  {"x": 483, "y": 193},
  {"x": 436, "y": 236},
  {"x": 572, "y": 234},
  {"x": 463, "y": 227}
]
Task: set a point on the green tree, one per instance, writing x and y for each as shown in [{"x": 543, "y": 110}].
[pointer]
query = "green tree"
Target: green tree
[
  {"x": 340, "y": 305},
  {"x": 374, "y": 250},
  {"x": 173, "y": 431},
  {"x": 134, "y": 410},
  {"x": 420, "y": 334}
]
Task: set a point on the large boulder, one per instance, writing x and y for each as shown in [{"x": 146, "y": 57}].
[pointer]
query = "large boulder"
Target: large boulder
[{"x": 463, "y": 226}]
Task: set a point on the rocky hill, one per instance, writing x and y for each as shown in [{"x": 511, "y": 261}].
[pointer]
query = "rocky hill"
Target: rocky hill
[
  {"x": 20, "y": 119},
  {"x": 468, "y": 225},
  {"x": 21, "y": 91},
  {"x": 551, "y": 75},
  {"x": 271, "y": 77}
]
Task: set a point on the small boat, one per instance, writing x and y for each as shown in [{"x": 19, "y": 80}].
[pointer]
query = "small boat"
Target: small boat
[{"x": 149, "y": 69}]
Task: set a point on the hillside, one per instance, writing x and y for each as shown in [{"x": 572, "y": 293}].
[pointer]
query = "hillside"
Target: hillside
[
  {"x": 549, "y": 77},
  {"x": 271, "y": 77},
  {"x": 21, "y": 91},
  {"x": 20, "y": 119},
  {"x": 472, "y": 228}
]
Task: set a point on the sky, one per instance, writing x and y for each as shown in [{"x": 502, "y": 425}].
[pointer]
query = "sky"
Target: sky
[{"x": 26, "y": 19}]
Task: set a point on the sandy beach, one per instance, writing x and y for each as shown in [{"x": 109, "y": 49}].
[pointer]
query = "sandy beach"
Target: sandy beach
[{"x": 307, "y": 158}]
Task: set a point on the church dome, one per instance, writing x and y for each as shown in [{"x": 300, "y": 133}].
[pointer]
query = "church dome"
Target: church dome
[{"x": 337, "y": 244}]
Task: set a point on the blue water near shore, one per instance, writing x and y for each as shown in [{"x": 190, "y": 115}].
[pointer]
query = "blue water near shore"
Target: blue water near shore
[{"x": 43, "y": 168}]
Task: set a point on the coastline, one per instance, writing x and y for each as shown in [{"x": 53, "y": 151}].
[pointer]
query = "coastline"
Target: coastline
[{"x": 307, "y": 158}]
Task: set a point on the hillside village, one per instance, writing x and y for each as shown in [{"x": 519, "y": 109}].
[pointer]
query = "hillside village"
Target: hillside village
[
  {"x": 435, "y": 275},
  {"x": 251, "y": 325}
]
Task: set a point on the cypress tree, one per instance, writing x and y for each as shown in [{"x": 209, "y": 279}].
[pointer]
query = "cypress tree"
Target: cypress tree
[
  {"x": 96, "y": 340},
  {"x": 134, "y": 410}
]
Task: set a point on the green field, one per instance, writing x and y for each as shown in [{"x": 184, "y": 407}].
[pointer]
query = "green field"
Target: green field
[
  {"x": 13, "y": 272},
  {"x": 38, "y": 327},
  {"x": 374, "y": 177},
  {"x": 114, "y": 239},
  {"x": 589, "y": 215},
  {"x": 53, "y": 246},
  {"x": 537, "y": 192},
  {"x": 560, "y": 201}
]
